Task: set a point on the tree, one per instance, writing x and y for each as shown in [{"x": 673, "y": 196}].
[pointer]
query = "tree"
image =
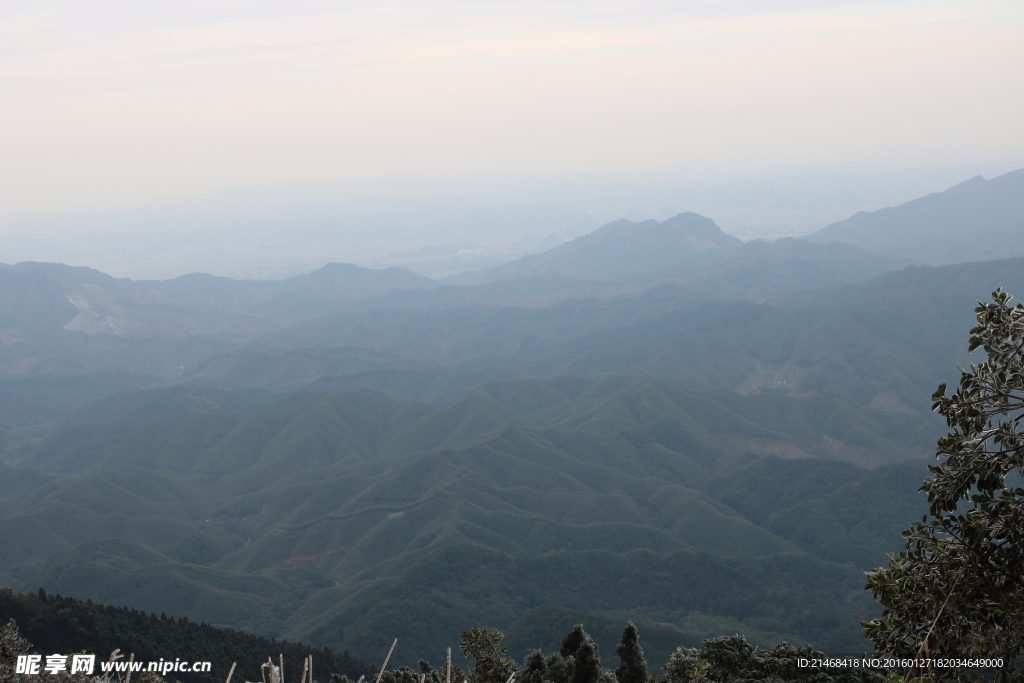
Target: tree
[
  {"x": 432, "y": 675},
  {"x": 578, "y": 644},
  {"x": 587, "y": 668},
  {"x": 632, "y": 667},
  {"x": 958, "y": 587},
  {"x": 490, "y": 663},
  {"x": 402, "y": 674},
  {"x": 732, "y": 659},
  {"x": 571, "y": 643},
  {"x": 534, "y": 669},
  {"x": 558, "y": 669},
  {"x": 11, "y": 645}
]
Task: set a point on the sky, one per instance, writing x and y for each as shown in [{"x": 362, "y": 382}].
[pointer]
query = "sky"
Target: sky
[{"x": 117, "y": 103}]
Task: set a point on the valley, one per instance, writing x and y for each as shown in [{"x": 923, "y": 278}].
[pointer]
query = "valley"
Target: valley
[{"x": 653, "y": 422}]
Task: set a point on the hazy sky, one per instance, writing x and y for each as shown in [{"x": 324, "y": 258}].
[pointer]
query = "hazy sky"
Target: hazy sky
[{"x": 109, "y": 103}]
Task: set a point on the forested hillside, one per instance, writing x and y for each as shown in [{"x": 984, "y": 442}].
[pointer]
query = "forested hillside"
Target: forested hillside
[
  {"x": 494, "y": 342},
  {"x": 887, "y": 341},
  {"x": 52, "y": 623},
  {"x": 721, "y": 444},
  {"x": 348, "y": 518}
]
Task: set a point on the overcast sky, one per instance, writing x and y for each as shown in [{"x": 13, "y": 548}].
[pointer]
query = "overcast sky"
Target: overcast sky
[{"x": 110, "y": 103}]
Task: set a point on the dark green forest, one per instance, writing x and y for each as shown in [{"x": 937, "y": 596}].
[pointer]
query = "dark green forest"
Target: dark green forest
[
  {"x": 52, "y": 623},
  {"x": 57, "y": 624},
  {"x": 350, "y": 518}
]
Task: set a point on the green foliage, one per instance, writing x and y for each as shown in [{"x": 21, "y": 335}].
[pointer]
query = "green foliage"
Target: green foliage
[
  {"x": 632, "y": 666},
  {"x": 572, "y": 642},
  {"x": 833, "y": 510},
  {"x": 491, "y": 664},
  {"x": 558, "y": 669},
  {"x": 405, "y": 674},
  {"x": 402, "y": 674},
  {"x": 64, "y": 625},
  {"x": 732, "y": 659},
  {"x": 586, "y": 657},
  {"x": 578, "y": 661},
  {"x": 534, "y": 669},
  {"x": 958, "y": 588},
  {"x": 12, "y": 644},
  {"x": 543, "y": 628},
  {"x": 150, "y": 677}
]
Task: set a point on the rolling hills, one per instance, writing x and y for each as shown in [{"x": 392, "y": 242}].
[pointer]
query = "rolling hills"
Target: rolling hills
[
  {"x": 348, "y": 518},
  {"x": 41, "y": 298},
  {"x": 652, "y": 422},
  {"x": 887, "y": 341},
  {"x": 71, "y": 335},
  {"x": 300, "y": 296}
]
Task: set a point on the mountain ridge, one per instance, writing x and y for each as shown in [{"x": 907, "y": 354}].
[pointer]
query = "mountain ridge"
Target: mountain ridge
[
  {"x": 973, "y": 220},
  {"x": 609, "y": 253}
]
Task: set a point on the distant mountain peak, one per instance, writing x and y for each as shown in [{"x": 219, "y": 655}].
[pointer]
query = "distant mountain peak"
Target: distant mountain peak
[
  {"x": 972, "y": 182},
  {"x": 700, "y": 233},
  {"x": 622, "y": 250}
]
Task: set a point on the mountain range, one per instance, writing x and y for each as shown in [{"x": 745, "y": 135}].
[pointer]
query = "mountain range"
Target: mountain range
[
  {"x": 974, "y": 221},
  {"x": 653, "y": 422}
]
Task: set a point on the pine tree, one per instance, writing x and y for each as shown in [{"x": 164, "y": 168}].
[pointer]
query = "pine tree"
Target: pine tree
[
  {"x": 558, "y": 669},
  {"x": 586, "y": 667},
  {"x": 588, "y": 663},
  {"x": 571, "y": 643},
  {"x": 632, "y": 667},
  {"x": 534, "y": 669},
  {"x": 11, "y": 644}
]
